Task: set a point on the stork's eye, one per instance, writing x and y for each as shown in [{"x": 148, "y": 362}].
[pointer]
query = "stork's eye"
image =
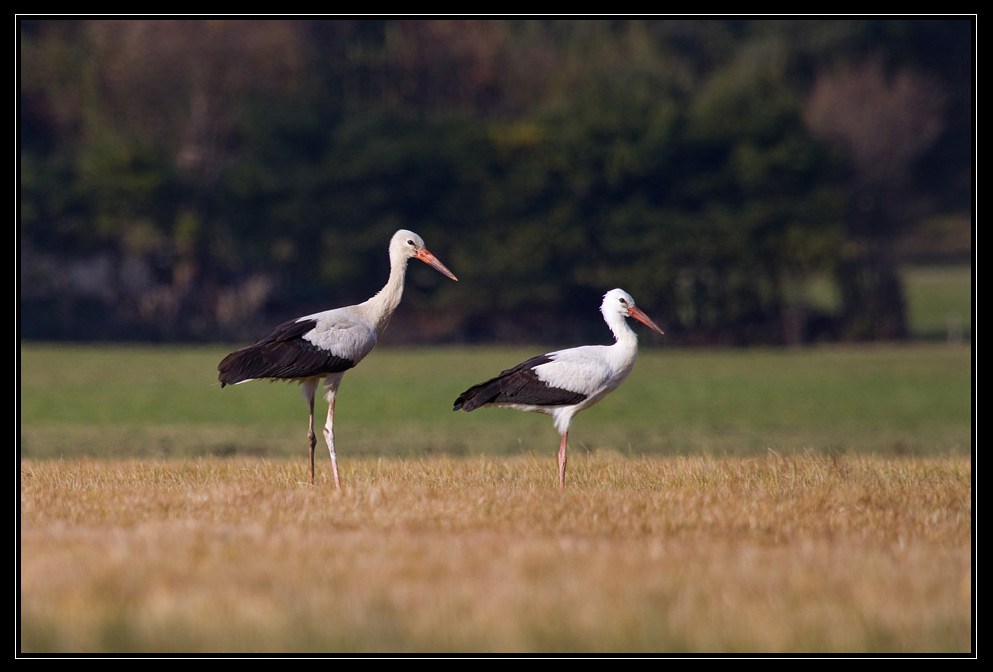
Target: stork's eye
[
  {"x": 623, "y": 301},
  {"x": 411, "y": 243}
]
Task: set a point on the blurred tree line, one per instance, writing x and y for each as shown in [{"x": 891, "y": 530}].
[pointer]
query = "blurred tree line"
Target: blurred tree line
[{"x": 203, "y": 179}]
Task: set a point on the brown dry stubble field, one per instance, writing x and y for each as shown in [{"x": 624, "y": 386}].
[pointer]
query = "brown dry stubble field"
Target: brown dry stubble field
[{"x": 657, "y": 555}]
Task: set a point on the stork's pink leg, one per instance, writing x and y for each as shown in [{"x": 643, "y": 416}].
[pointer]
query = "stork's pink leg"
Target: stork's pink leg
[
  {"x": 562, "y": 459},
  {"x": 311, "y": 436},
  {"x": 329, "y": 437}
]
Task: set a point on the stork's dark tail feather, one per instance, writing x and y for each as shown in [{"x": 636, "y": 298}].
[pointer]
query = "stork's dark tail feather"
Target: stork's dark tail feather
[
  {"x": 476, "y": 396},
  {"x": 236, "y": 367}
]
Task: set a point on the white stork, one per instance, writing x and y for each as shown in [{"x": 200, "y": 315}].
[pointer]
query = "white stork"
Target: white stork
[
  {"x": 325, "y": 345},
  {"x": 564, "y": 382}
]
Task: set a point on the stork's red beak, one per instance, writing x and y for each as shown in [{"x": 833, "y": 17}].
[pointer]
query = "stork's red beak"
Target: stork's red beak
[
  {"x": 638, "y": 314},
  {"x": 433, "y": 262}
]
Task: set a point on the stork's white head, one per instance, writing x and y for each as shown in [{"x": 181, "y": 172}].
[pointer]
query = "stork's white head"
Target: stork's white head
[
  {"x": 406, "y": 244},
  {"x": 619, "y": 302}
]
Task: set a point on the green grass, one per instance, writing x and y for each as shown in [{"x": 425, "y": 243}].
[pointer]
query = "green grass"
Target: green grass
[
  {"x": 148, "y": 401},
  {"x": 939, "y": 300}
]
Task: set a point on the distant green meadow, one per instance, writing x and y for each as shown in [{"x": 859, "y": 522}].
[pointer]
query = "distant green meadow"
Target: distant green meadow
[
  {"x": 939, "y": 302},
  {"x": 165, "y": 401},
  {"x": 160, "y": 402}
]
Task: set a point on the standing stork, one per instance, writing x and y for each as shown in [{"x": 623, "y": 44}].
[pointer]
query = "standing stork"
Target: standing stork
[
  {"x": 564, "y": 382},
  {"x": 326, "y": 344}
]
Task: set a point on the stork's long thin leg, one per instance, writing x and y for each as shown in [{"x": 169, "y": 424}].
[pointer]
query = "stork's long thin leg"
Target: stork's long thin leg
[
  {"x": 329, "y": 437},
  {"x": 562, "y": 459},
  {"x": 309, "y": 391}
]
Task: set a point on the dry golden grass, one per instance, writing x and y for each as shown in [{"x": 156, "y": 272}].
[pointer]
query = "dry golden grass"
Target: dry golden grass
[{"x": 645, "y": 555}]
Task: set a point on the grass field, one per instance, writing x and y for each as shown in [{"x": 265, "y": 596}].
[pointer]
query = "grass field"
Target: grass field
[
  {"x": 766, "y": 501},
  {"x": 166, "y": 402},
  {"x": 652, "y": 555}
]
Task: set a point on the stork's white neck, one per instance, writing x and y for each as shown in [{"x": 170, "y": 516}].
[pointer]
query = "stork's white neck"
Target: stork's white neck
[
  {"x": 381, "y": 306},
  {"x": 624, "y": 335},
  {"x": 624, "y": 351}
]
